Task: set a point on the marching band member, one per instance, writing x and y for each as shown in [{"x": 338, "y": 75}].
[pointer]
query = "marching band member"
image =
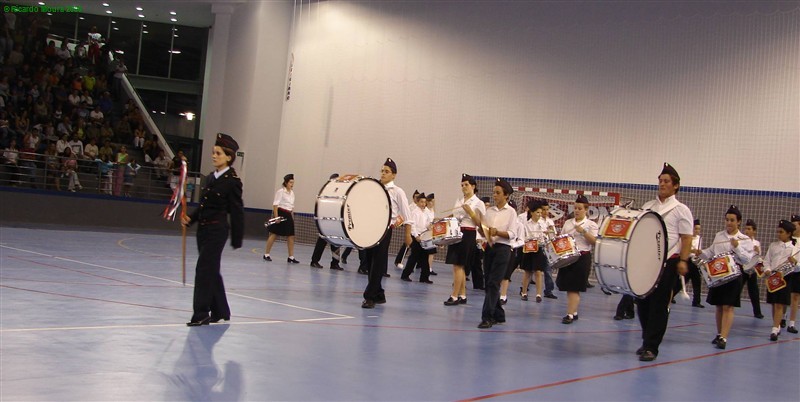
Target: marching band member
[
  {"x": 498, "y": 227},
  {"x": 793, "y": 281},
  {"x": 516, "y": 253},
  {"x": 469, "y": 210},
  {"x": 378, "y": 255},
  {"x": 430, "y": 210},
  {"x": 654, "y": 309},
  {"x": 727, "y": 296},
  {"x": 222, "y": 196},
  {"x": 534, "y": 261},
  {"x": 751, "y": 279},
  {"x": 475, "y": 265},
  {"x": 549, "y": 285},
  {"x": 319, "y": 247},
  {"x": 780, "y": 252},
  {"x": 283, "y": 206},
  {"x": 694, "y": 270},
  {"x": 420, "y": 221},
  {"x": 398, "y": 259},
  {"x": 572, "y": 278}
]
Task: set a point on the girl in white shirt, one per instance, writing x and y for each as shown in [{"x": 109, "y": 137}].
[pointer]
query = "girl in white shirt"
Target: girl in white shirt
[
  {"x": 572, "y": 278},
  {"x": 283, "y": 206},
  {"x": 779, "y": 253},
  {"x": 534, "y": 261}
]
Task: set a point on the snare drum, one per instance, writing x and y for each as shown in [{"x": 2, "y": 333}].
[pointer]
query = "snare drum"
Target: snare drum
[
  {"x": 562, "y": 251},
  {"x": 630, "y": 251},
  {"x": 353, "y": 211},
  {"x": 776, "y": 281},
  {"x": 750, "y": 267},
  {"x": 531, "y": 245},
  {"x": 446, "y": 231},
  {"x": 720, "y": 269},
  {"x": 426, "y": 240}
]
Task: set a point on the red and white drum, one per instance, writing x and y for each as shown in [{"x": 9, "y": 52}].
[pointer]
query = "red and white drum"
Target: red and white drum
[
  {"x": 353, "y": 211},
  {"x": 776, "y": 281},
  {"x": 446, "y": 231},
  {"x": 630, "y": 251},
  {"x": 719, "y": 270},
  {"x": 532, "y": 245},
  {"x": 426, "y": 240},
  {"x": 562, "y": 251}
]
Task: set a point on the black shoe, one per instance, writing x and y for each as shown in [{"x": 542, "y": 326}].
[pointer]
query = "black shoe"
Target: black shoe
[
  {"x": 538, "y": 299},
  {"x": 485, "y": 324},
  {"x": 387, "y": 275},
  {"x": 344, "y": 261},
  {"x": 215, "y": 319},
  {"x": 550, "y": 296},
  {"x": 336, "y": 267},
  {"x": 716, "y": 340},
  {"x": 434, "y": 273},
  {"x": 368, "y": 304},
  {"x": 380, "y": 299},
  {"x": 428, "y": 281},
  {"x": 520, "y": 290},
  {"x": 478, "y": 288},
  {"x": 315, "y": 265},
  {"x": 628, "y": 316},
  {"x": 405, "y": 279},
  {"x": 451, "y": 302},
  {"x": 647, "y": 356},
  {"x": 759, "y": 316},
  {"x": 567, "y": 319},
  {"x": 773, "y": 337},
  {"x": 463, "y": 300},
  {"x": 524, "y": 297},
  {"x": 791, "y": 329},
  {"x": 783, "y": 323},
  {"x": 204, "y": 321},
  {"x": 363, "y": 271},
  {"x": 640, "y": 351},
  {"x": 673, "y": 301},
  {"x": 499, "y": 321},
  {"x": 575, "y": 317},
  {"x": 721, "y": 343},
  {"x": 618, "y": 317},
  {"x": 607, "y": 292},
  {"x": 293, "y": 261},
  {"x": 698, "y": 305},
  {"x": 266, "y": 257}
]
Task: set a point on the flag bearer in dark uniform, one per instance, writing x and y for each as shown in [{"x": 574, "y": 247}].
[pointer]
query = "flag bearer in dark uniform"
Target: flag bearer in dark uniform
[
  {"x": 221, "y": 196},
  {"x": 654, "y": 309}
]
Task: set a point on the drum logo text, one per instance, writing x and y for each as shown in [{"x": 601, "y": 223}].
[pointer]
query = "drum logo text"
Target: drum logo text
[
  {"x": 350, "y": 224},
  {"x": 659, "y": 255}
]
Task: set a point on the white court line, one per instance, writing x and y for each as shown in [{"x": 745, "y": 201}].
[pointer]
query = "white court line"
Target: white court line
[
  {"x": 179, "y": 283},
  {"x": 160, "y": 325}
]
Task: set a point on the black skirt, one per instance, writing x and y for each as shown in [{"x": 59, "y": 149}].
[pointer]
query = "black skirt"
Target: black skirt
[
  {"x": 534, "y": 261},
  {"x": 783, "y": 296},
  {"x": 572, "y": 278},
  {"x": 461, "y": 252},
  {"x": 728, "y": 294},
  {"x": 285, "y": 228}
]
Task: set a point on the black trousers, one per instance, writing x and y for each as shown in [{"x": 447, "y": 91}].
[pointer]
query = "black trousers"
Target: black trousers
[
  {"x": 625, "y": 306},
  {"x": 209, "y": 289},
  {"x": 378, "y": 257},
  {"x": 751, "y": 281},
  {"x": 496, "y": 260},
  {"x": 319, "y": 247},
  {"x": 400, "y": 253},
  {"x": 654, "y": 309},
  {"x": 418, "y": 256},
  {"x": 476, "y": 267}
]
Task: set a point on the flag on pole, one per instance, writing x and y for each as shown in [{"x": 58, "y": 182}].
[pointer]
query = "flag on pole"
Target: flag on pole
[{"x": 178, "y": 195}]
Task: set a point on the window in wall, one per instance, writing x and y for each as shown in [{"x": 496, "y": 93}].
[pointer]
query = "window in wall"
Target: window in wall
[
  {"x": 155, "y": 102},
  {"x": 182, "y": 115},
  {"x": 125, "y": 37},
  {"x": 156, "y": 42},
  {"x": 191, "y": 43}
]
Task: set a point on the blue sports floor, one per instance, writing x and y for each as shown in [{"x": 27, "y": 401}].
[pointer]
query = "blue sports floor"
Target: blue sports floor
[{"x": 100, "y": 315}]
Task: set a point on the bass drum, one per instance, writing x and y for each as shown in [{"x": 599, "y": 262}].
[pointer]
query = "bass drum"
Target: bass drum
[
  {"x": 353, "y": 211},
  {"x": 630, "y": 251}
]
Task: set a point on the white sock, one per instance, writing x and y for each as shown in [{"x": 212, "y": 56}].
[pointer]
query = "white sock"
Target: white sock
[
  {"x": 791, "y": 323},
  {"x": 503, "y": 297},
  {"x": 776, "y": 330},
  {"x": 266, "y": 255},
  {"x": 291, "y": 257},
  {"x": 462, "y": 296}
]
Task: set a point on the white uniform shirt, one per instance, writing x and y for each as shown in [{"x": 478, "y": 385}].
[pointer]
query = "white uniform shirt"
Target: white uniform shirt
[
  {"x": 520, "y": 230},
  {"x": 757, "y": 246},
  {"x": 429, "y": 213},
  {"x": 722, "y": 244},
  {"x": 571, "y": 227},
  {"x": 778, "y": 253},
  {"x": 419, "y": 221},
  {"x": 504, "y": 220},
  {"x": 399, "y": 203},
  {"x": 697, "y": 244},
  {"x": 678, "y": 220},
  {"x": 284, "y": 199},
  {"x": 534, "y": 230},
  {"x": 549, "y": 224},
  {"x": 477, "y": 206}
]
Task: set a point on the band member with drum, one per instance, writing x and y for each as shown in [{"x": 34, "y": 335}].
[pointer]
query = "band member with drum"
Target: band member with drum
[
  {"x": 654, "y": 309},
  {"x": 572, "y": 278},
  {"x": 430, "y": 209},
  {"x": 283, "y": 206},
  {"x": 401, "y": 254},
  {"x": 533, "y": 258},
  {"x": 420, "y": 222},
  {"x": 779, "y": 253},
  {"x": 547, "y": 221},
  {"x": 727, "y": 295},
  {"x": 751, "y": 279},
  {"x": 319, "y": 247},
  {"x": 221, "y": 196},
  {"x": 469, "y": 210},
  {"x": 499, "y": 228},
  {"x": 378, "y": 255},
  {"x": 793, "y": 280}
]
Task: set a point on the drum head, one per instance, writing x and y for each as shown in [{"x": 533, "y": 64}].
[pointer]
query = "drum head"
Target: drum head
[
  {"x": 647, "y": 250},
  {"x": 366, "y": 213}
]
